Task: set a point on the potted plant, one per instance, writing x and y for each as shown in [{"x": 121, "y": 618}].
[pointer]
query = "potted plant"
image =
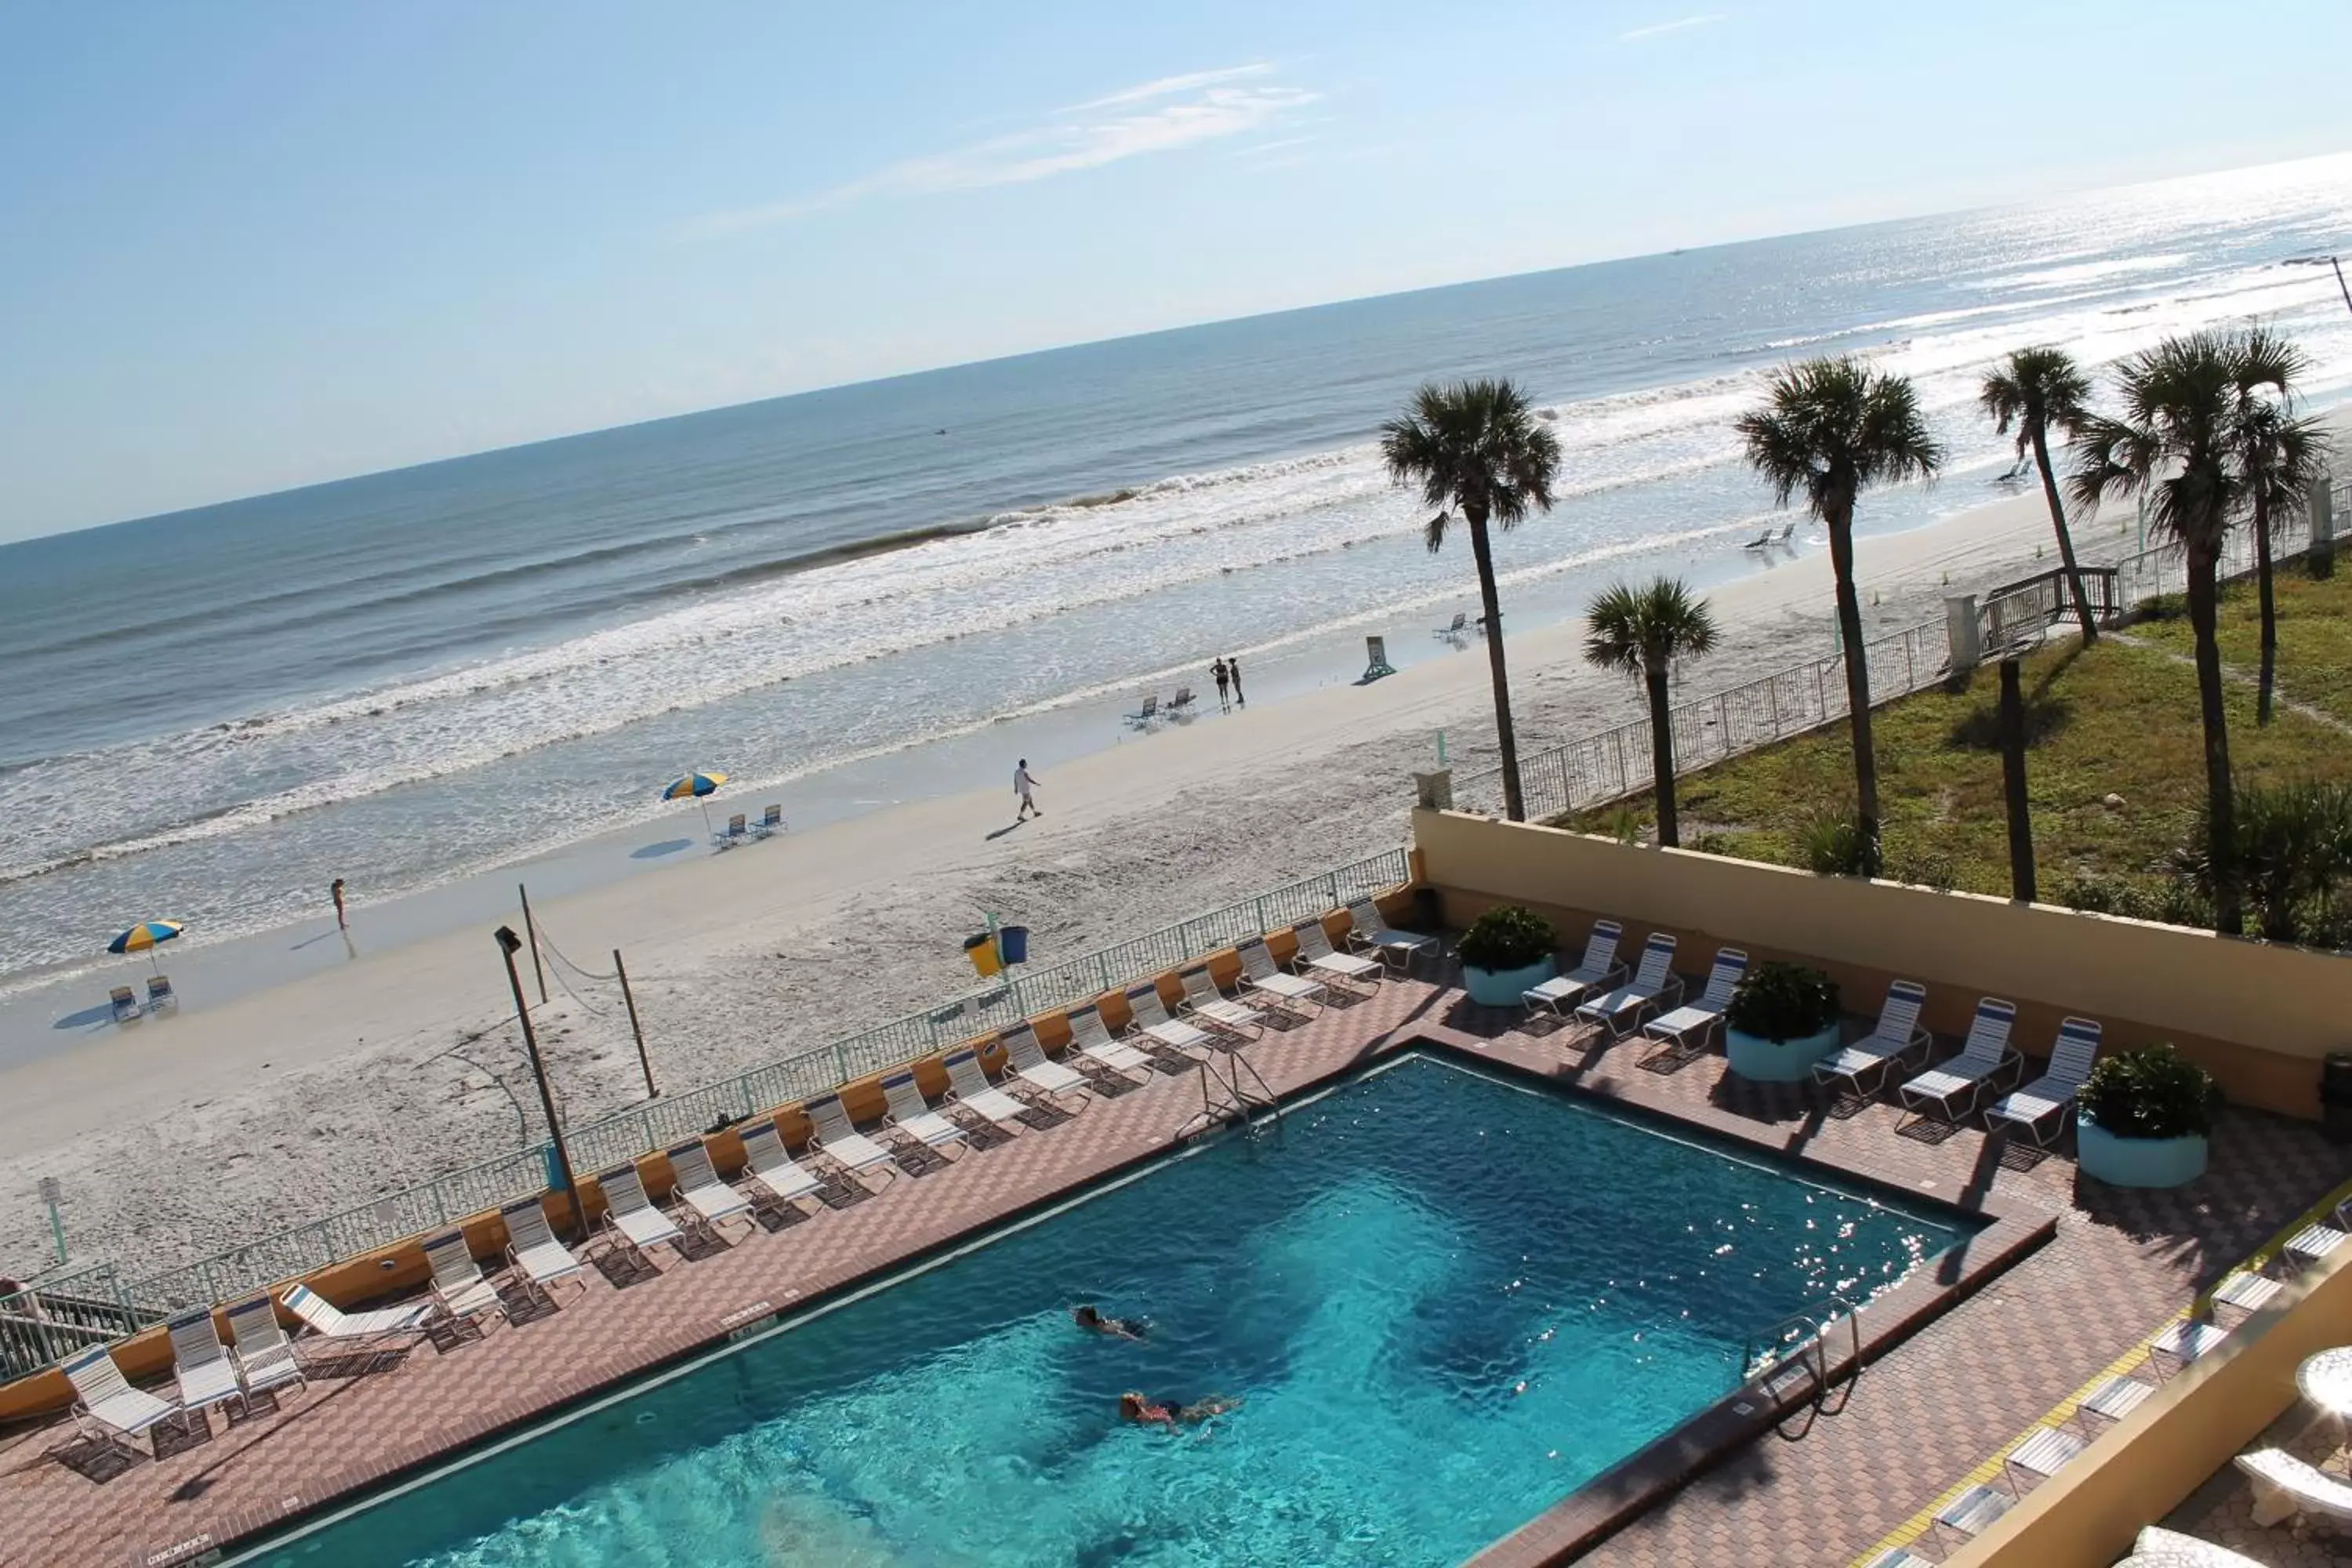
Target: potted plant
[
  {"x": 1506, "y": 950},
  {"x": 1782, "y": 1019},
  {"x": 2142, "y": 1119}
]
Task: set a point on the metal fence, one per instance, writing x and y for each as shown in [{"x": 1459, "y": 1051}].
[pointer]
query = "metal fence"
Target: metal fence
[
  {"x": 2155, "y": 574},
  {"x": 51, "y": 1320},
  {"x": 1616, "y": 763}
]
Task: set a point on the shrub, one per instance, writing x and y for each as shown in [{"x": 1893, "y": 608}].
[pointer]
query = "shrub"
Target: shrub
[
  {"x": 1782, "y": 1002},
  {"x": 1711, "y": 844},
  {"x": 1506, "y": 938},
  {"x": 1928, "y": 869},
  {"x": 1832, "y": 843},
  {"x": 2152, "y": 1093},
  {"x": 2295, "y": 845}
]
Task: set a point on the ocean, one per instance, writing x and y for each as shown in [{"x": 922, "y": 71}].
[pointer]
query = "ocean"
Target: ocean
[{"x": 410, "y": 677}]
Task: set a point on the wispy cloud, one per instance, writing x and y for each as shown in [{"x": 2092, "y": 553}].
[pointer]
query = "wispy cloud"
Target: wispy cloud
[
  {"x": 1656, "y": 28},
  {"x": 1159, "y": 116}
]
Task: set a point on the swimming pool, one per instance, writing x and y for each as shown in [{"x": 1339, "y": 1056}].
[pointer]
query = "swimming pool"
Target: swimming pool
[{"x": 1446, "y": 1300}]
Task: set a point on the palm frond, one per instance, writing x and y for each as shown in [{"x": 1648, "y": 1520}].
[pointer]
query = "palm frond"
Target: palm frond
[
  {"x": 2036, "y": 388},
  {"x": 1651, "y": 626},
  {"x": 1475, "y": 447},
  {"x": 1831, "y": 427}
]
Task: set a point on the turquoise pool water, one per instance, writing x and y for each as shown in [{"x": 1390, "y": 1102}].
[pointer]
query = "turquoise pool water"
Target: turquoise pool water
[{"x": 1448, "y": 1302}]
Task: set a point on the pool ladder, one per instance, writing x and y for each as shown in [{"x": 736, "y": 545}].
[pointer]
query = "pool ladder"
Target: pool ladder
[
  {"x": 1791, "y": 1364},
  {"x": 1238, "y": 1095}
]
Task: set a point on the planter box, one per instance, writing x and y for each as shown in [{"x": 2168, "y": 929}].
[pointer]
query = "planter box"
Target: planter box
[
  {"x": 1504, "y": 988},
  {"x": 2138, "y": 1161},
  {"x": 1786, "y": 1061}
]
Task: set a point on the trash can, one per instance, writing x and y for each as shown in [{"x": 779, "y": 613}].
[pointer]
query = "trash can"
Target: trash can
[
  {"x": 2335, "y": 1098},
  {"x": 554, "y": 1171},
  {"x": 981, "y": 951},
  {"x": 1013, "y": 943}
]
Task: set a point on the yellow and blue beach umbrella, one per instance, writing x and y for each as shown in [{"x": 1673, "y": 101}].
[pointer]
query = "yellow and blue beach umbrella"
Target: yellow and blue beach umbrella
[
  {"x": 145, "y": 937},
  {"x": 694, "y": 785}
]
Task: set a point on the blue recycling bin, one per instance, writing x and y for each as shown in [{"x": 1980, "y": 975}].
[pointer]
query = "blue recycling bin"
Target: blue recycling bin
[
  {"x": 554, "y": 1172},
  {"x": 1012, "y": 942}
]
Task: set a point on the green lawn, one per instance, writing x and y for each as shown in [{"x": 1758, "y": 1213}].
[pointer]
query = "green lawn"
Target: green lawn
[
  {"x": 2314, "y": 624},
  {"x": 2111, "y": 720}
]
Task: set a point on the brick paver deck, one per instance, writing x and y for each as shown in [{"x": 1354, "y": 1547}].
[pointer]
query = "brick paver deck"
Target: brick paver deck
[{"x": 2119, "y": 1264}]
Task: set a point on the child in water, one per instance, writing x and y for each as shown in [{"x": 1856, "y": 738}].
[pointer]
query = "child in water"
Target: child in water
[
  {"x": 1149, "y": 1411},
  {"x": 1093, "y": 1322}
]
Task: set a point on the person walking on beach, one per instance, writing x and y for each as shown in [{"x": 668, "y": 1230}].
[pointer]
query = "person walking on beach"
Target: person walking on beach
[
  {"x": 341, "y": 921},
  {"x": 1234, "y": 669},
  {"x": 1225, "y": 703},
  {"x": 1024, "y": 781}
]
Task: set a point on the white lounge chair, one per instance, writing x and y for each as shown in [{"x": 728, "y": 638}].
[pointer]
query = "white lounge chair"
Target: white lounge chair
[
  {"x": 1203, "y": 1001},
  {"x": 1259, "y": 972},
  {"x": 833, "y": 1135},
  {"x": 1028, "y": 1059},
  {"x": 264, "y": 1357},
  {"x": 328, "y": 1321},
  {"x": 1315, "y": 952},
  {"x": 456, "y": 1278},
  {"x": 968, "y": 1086},
  {"x": 1679, "y": 1026},
  {"x": 1459, "y": 626},
  {"x": 2286, "y": 1485},
  {"x": 104, "y": 1398},
  {"x": 1654, "y": 985},
  {"x": 1090, "y": 1038},
  {"x": 2318, "y": 1240},
  {"x": 534, "y": 1249},
  {"x": 1973, "y": 1512},
  {"x": 201, "y": 1364},
  {"x": 1951, "y": 1089},
  {"x": 2042, "y": 1454},
  {"x": 631, "y": 1216},
  {"x": 2049, "y": 1101},
  {"x": 2186, "y": 1342},
  {"x": 1597, "y": 971},
  {"x": 697, "y": 1186},
  {"x": 1151, "y": 1016},
  {"x": 1369, "y": 932},
  {"x": 1897, "y": 1039},
  {"x": 767, "y": 1162},
  {"x": 911, "y": 1114}
]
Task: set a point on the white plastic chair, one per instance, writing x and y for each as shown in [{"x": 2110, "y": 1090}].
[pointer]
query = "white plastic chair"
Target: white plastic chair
[
  {"x": 1897, "y": 1039},
  {"x": 1597, "y": 971},
  {"x": 968, "y": 1086},
  {"x": 2049, "y": 1101},
  {"x": 1951, "y": 1089},
  {"x": 911, "y": 1114},
  {"x": 1654, "y": 985}
]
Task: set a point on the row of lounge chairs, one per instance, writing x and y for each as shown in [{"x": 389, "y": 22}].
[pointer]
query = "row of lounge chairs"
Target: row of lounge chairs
[
  {"x": 1600, "y": 993},
  {"x": 740, "y": 829}
]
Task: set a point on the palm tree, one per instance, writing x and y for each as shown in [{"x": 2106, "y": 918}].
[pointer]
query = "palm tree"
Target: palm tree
[
  {"x": 2178, "y": 441},
  {"x": 1644, "y": 632},
  {"x": 2281, "y": 458},
  {"x": 1476, "y": 447},
  {"x": 2036, "y": 389},
  {"x": 1832, "y": 428}
]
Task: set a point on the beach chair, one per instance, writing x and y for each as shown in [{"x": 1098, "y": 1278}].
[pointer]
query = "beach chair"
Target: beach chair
[
  {"x": 1142, "y": 718},
  {"x": 1027, "y": 1060},
  {"x": 1951, "y": 1089},
  {"x": 201, "y": 1364},
  {"x": 1151, "y": 1016},
  {"x": 1597, "y": 971},
  {"x": 264, "y": 1357},
  {"x": 125, "y": 1003},
  {"x": 1090, "y": 1038},
  {"x": 160, "y": 993},
  {"x": 1974, "y": 1511},
  {"x": 2315, "y": 1241},
  {"x": 699, "y": 1191},
  {"x": 968, "y": 1086},
  {"x": 911, "y": 1114},
  {"x": 771, "y": 822},
  {"x": 1203, "y": 1000},
  {"x": 2049, "y": 1101},
  {"x": 2286, "y": 1485},
  {"x": 328, "y": 1321},
  {"x": 1685, "y": 1027},
  {"x": 2042, "y": 1454},
  {"x": 1458, "y": 627},
  {"x": 104, "y": 1399},
  {"x": 1315, "y": 952},
  {"x": 534, "y": 1249},
  {"x": 768, "y": 1164},
  {"x": 1368, "y": 932},
  {"x": 630, "y": 1215},
  {"x": 1183, "y": 700},
  {"x": 832, "y": 1134},
  {"x": 1654, "y": 985},
  {"x": 456, "y": 1278},
  {"x": 1260, "y": 973},
  {"x": 1897, "y": 1037},
  {"x": 1759, "y": 542},
  {"x": 735, "y": 832}
]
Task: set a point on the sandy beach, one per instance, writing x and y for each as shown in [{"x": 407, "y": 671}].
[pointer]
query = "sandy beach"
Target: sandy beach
[{"x": 190, "y": 1133}]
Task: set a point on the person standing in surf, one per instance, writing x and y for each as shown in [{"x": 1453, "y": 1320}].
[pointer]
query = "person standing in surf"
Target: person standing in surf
[
  {"x": 1217, "y": 670},
  {"x": 1024, "y": 781},
  {"x": 342, "y": 922},
  {"x": 1234, "y": 668}
]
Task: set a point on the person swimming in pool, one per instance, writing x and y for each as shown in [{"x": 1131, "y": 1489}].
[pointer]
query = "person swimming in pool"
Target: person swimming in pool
[
  {"x": 1087, "y": 1318},
  {"x": 1147, "y": 1412}
]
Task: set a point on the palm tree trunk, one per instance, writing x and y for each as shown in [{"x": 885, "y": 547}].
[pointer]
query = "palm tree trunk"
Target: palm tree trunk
[
  {"x": 2065, "y": 539},
  {"x": 1857, "y": 686},
  {"x": 2012, "y": 784},
  {"x": 2221, "y": 804},
  {"x": 1661, "y": 756},
  {"x": 2269, "y": 609},
  {"x": 1507, "y": 740}
]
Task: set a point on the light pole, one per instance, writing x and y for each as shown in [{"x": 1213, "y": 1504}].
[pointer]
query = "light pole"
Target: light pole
[{"x": 508, "y": 945}]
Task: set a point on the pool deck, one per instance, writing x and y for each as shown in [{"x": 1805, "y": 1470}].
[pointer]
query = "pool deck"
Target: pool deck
[{"x": 2114, "y": 1266}]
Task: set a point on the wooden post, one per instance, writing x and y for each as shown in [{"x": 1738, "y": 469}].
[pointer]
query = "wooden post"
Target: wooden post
[
  {"x": 531, "y": 931},
  {"x": 630, "y": 997},
  {"x": 2013, "y": 778}
]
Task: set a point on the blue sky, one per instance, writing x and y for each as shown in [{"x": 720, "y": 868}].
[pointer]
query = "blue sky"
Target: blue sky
[{"x": 254, "y": 246}]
